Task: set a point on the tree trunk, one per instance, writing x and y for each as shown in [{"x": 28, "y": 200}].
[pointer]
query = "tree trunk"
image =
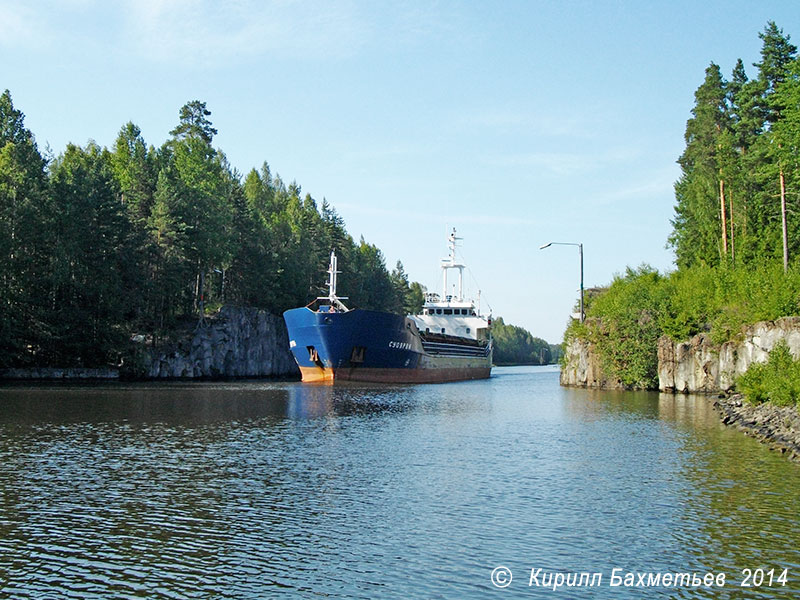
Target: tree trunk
[
  {"x": 783, "y": 224},
  {"x": 724, "y": 220},
  {"x": 733, "y": 247}
]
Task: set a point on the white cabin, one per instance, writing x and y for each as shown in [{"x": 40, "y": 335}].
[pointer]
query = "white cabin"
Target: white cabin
[{"x": 450, "y": 314}]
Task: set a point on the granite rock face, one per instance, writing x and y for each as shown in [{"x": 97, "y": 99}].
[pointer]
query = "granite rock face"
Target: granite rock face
[
  {"x": 582, "y": 367},
  {"x": 694, "y": 366},
  {"x": 237, "y": 342},
  {"x": 700, "y": 366}
]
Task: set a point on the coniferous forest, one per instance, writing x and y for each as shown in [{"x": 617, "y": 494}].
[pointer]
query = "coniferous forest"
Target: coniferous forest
[
  {"x": 99, "y": 244},
  {"x": 736, "y": 230},
  {"x": 738, "y": 191}
]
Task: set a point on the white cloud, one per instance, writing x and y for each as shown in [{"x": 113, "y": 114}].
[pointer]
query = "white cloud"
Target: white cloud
[
  {"x": 203, "y": 32},
  {"x": 564, "y": 163},
  {"x": 446, "y": 218},
  {"x": 504, "y": 121},
  {"x": 20, "y": 26}
]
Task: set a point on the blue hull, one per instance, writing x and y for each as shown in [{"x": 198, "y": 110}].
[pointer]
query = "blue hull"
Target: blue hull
[{"x": 366, "y": 345}]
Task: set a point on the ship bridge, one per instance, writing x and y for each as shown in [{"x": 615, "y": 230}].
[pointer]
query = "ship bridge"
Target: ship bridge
[{"x": 450, "y": 314}]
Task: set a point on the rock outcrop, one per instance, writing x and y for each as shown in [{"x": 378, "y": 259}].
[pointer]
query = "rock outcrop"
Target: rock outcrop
[
  {"x": 694, "y": 366},
  {"x": 701, "y": 366},
  {"x": 237, "y": 342},
  {"x": 582, "y": 368}
]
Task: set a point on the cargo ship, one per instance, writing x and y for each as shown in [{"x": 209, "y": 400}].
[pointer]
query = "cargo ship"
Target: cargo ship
[{"x": 448, "y": 341}]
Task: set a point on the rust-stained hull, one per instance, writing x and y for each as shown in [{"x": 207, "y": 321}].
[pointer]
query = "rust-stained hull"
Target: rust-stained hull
[{"x": 377, "y": 375}]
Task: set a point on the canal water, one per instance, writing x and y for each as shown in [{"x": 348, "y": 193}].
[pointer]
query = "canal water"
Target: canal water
[{"x": 277, "y": 489}]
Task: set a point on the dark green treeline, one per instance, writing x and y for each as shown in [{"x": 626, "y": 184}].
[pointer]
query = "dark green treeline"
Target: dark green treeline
[
  {"x": 514, "y": 345},
  {"x": 99, "y": 244}
]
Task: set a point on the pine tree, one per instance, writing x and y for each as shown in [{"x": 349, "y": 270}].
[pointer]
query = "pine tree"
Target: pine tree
[
  {"x": 25, "y": 241},
  {"x": 91, "y": 257},
  {"x": 700, "y": 225}
]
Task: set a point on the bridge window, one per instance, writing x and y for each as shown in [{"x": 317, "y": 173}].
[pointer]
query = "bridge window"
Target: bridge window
[
  {"x": 442, "y": 329},
  {"x": 448, "y": 311}
]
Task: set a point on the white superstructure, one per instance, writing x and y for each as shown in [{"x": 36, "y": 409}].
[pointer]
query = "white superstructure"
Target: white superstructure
[{"x": 451, "y": 314}]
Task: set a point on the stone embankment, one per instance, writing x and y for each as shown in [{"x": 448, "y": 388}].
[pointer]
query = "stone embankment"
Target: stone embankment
[
  {"x": 237, "y": 342},
  {"x": 776, "y": 426},
  {"x": 699, "y": 366},
  {"x": 59, "y": 374}
]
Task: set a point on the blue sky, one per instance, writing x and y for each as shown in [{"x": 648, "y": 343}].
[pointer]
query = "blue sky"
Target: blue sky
[{"x": 518, "y": 123}]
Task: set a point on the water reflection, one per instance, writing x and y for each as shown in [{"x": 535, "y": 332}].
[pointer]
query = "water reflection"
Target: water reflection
[{"x": 254, "y": 489}]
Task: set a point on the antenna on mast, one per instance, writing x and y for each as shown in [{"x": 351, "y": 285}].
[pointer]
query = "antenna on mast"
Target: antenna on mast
[
  {"x": 332, "y": 298},
  {"x": 450, "y": 263}
]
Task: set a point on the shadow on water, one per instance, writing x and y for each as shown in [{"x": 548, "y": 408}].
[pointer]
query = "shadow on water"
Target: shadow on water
[
  {"x": 186, "y": 403},
  {"x": 263, "y": 489}
]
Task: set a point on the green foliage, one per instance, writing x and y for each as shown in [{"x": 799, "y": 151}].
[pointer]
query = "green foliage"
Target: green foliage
[
  {"x": 741, "y": 145},
  {"x": 107, "y": 243},
  {"x": 194, "y": 122},
  {"x": 26, "y": 240},
  {"x": 626, "y": 325},
  {"x": 776, "y": 381},
  {"x": 722, "y": 300},
  {"x": 411, "y": 296},
  {"x": 514, "y": 345},
  {"x": 626, "y": 320},
  {"x": 374, "y": 287},
  {"x": 90, "y": 262}
]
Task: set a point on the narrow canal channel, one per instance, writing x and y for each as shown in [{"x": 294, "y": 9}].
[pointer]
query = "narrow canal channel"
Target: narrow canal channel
[{"x": 278, "y": 489}]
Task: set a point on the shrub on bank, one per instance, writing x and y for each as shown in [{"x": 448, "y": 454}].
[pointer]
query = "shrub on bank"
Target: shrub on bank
[
  {"x": 776, "y": 381},
  {"x": 624, "y": 326}
]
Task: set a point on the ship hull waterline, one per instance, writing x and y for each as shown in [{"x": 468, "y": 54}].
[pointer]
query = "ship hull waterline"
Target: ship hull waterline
[{"x": 375, "y": 375}]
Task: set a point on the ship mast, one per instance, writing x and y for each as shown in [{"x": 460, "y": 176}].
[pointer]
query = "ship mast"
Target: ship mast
[
  {"x": 450, "y": 263},
  {"x": 332, "y": 298}
]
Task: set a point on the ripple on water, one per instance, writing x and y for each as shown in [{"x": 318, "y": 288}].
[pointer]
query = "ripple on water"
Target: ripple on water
[{"x": 255, "y": 490}]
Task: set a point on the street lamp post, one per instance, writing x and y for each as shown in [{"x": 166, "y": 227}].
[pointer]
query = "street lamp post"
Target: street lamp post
[{"x": 580, "y": 252}]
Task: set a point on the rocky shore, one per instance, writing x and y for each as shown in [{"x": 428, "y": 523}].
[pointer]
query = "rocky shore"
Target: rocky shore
[
  {"x": 776, "y": 426},
  {"x": 236, "y": 342}
]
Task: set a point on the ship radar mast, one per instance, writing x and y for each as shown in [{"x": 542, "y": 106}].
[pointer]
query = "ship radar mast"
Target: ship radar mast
[
  {"x": 332, "y": 298},
  {"x": 450, "y": 263}
]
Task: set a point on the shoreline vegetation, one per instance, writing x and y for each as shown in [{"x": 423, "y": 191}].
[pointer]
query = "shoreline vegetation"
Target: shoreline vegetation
[
  {"x": 104, "y": 251},
  {"x": 736, "y": 237}
]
